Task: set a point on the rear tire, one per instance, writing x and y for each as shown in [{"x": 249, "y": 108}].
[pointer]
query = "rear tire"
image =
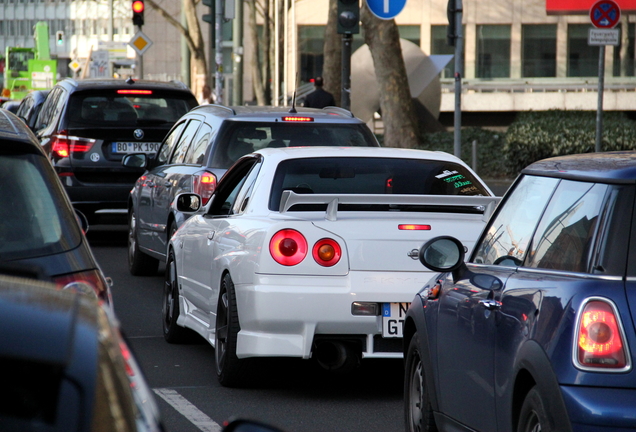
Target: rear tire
[
  {"x": 139, "y": 264},
  {"x": 172, "y": 332},
  {"x": 418, "y": 412},
  {"x": 533, "y": 416},
  {"x": 231, "y": 371}
]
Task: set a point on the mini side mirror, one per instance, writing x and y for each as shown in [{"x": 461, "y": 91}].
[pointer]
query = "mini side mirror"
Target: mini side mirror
[
  {"x": 187, "y": 203},
  {"x": 135, "y": 160}
]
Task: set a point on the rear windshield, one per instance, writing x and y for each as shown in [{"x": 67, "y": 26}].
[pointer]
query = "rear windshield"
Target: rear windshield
[
  {"x": 243, "y": 137},
  {"x": 372, "y": 176},
  {"x": 35, "y": 219},
  {"x": 90, "y": 109}
]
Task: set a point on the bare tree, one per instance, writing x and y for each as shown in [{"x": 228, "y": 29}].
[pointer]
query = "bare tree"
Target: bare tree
[
  {"x": 332, "y": 66},
  {"x": 193, "y": 37},
  {"x": 398, "y": 111}
]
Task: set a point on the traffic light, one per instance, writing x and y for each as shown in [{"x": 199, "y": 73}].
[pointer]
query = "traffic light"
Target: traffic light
[
  {"x": 138, "y": 8},
  {"x": 451, "y": 32},
  {"x": 209, "y": 17},
  {"x": 348, "y": 17},
  {"x": 59, "y": 37}
]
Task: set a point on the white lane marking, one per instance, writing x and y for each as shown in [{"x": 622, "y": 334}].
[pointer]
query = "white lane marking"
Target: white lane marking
[{"x": 189, "y": 411}]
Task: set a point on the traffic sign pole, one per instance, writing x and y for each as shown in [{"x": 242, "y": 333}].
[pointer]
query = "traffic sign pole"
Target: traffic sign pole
[{"x": 604, "y": 14}]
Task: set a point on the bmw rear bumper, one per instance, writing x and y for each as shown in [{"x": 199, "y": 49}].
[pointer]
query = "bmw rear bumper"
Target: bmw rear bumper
[{"x": 281, "y": 316}]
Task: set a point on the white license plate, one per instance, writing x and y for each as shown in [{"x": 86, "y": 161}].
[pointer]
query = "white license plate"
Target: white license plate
[
  {"x": 393, "y": 315},
  {"x": 135, "y": 147}
]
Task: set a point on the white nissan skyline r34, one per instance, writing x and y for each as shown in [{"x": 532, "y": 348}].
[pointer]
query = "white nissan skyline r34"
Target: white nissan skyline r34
[{"x": 314, "y": 252}]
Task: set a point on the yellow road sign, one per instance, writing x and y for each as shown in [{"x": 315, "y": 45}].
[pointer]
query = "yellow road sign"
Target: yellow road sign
[
  {"x": 74, "y": 65},
  {"x": 140, "y": 43}
]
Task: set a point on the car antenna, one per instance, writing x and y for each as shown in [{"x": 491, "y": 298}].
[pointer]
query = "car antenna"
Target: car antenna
[
  {"x": 130, "y": 80},
  {"x": 293, "y": 107}
]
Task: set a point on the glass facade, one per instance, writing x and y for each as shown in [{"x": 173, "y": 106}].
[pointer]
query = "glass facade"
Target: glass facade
[
  {"x": 538, "y": 50},
  {"x": 582, "y": 58},
  {"x": 493, "y": 51}
]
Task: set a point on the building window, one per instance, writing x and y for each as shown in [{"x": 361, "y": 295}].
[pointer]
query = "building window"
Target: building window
[
  {"x": 440, "y": 46},
  {"x": 538, "y": 50},
  {"x": 1, "y": 28},
  {"x": 493, "y": 51},
  {"x": 411, "y": 33},
  {"x": 582, "y": 58},
  {"x": 626, "y": 68}
]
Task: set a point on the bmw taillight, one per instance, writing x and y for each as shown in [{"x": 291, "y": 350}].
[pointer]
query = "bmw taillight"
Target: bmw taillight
[
  {"x": 327, "y": 252},
  {"x": 89, "y": 282},
  {"x": 204, "y": 185},
  {"x": 600, "y": 340},
  {"x": 288, "y": 247},
  {"x": 63, "y": 145}
]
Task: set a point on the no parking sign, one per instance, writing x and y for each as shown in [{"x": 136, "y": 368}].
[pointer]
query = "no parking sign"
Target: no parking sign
[{"x": 605, "y": 14}]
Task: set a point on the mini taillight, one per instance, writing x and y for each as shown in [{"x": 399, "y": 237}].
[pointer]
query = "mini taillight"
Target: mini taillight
[
  {"x": 134, "y": 92},
  {"x": 327, "y": 252},
  {"x": 288, "y": 247},
  {"x": 63, "y": 145},
  {"x": 204, "y": 184},
  {"x": 80, "y": 281},
  {"x": 297, "y": 119},
  {"x": 600, "y": 342},
  {"x": 410, "y": 227}
]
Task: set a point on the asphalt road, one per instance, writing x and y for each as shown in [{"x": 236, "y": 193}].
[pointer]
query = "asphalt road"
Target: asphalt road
[{"x": 290, "y": 394}]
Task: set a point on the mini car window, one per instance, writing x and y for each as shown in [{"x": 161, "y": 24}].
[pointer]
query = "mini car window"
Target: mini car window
[
  {"x": 196, "y": 152},
  {"x": 168, "y": 144},
  {"x": 182, "y": 146},
  {"x": 506, "y": 237},
  {"x": 564, "y": 238}
]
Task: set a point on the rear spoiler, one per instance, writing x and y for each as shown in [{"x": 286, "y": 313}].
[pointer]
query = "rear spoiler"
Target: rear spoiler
[{"x": 290, "y": 198}]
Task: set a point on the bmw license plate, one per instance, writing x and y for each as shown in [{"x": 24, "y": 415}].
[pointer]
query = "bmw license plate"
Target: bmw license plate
[
  {"x": 393, "y": 315},
  {"x": 135, "y": 147}
]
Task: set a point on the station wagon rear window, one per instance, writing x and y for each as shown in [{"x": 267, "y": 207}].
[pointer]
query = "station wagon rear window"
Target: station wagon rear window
[
  {"x": 110, "y": 108},
  {"x": 351, "y": 175}
]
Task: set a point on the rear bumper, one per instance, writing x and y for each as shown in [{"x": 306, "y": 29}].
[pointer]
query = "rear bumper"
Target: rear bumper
[
  {"x": 284, "y": 315},
  {"x": 600, "y": 409},
  {"x": 110, "y": 199}
]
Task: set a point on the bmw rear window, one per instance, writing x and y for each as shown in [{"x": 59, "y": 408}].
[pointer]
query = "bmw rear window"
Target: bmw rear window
[
  {"x": 35, "y": 220},
  {"x": 365, "y": 175},
  {"x": 125, "y": 107}
]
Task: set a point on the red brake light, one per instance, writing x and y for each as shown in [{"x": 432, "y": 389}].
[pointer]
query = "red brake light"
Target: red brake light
[
  {"x": 91, "y": 278},
  {"x": 297, "y": 119},
  {"x": 414, "y": 227},
  {"x": 204, "y": 185},
  {"x": 288, "y": 247},
  {"x": 134, "y": 92},
  {"x": 327, "y": 252},
  {"x": 599, "y": 338},
  {"x": 63, "y": 145}
]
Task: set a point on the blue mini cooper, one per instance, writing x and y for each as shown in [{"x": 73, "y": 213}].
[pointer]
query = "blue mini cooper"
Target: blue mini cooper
[{"x": 535, "y": 331}]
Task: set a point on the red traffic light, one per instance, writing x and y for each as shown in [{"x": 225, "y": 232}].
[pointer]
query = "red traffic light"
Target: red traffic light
[{"x": 138, "y": 6}]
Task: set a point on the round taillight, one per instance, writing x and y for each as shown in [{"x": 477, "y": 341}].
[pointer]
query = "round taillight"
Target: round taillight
[
  {"x": 288, "y": 247},
  {"x": 327, "y": 252}
]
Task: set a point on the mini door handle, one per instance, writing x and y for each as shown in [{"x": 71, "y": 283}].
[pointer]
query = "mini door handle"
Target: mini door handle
[
  {"x": 210, "y": 235},
  {"x": 490, "y": 304}
]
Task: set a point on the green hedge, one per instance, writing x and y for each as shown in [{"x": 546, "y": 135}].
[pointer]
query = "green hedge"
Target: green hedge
[
  {"x": 490, "y": 160},
  {"x": 538, "y": 135},
  {"x": 534, "y": 136}
]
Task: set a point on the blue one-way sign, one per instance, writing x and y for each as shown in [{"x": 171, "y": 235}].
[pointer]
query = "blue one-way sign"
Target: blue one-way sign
[{"x": 386, "y": 9}]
